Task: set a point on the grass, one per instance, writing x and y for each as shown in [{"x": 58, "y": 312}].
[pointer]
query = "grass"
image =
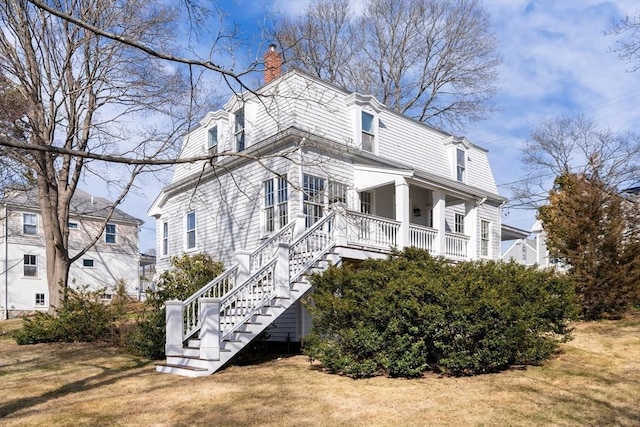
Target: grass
[{"x": 595, "y": 380}]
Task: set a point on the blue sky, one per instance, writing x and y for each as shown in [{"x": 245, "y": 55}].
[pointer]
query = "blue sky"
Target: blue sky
[{"x": 556, "y": 60}]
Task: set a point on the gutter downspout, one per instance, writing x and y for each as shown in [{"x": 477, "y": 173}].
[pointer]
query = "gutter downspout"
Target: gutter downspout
[{"x": 5, "y": 314}]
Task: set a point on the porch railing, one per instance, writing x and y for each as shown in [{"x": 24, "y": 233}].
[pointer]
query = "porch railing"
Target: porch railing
[
  {"x": 456, "y": 245},
  {"x": 423, "y": 237},
  {"x": 369, "y": 230}
]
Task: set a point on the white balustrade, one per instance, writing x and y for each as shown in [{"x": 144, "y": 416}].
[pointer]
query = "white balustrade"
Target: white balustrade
[
  {"x": 456, "y": 245},
  {"x": 423, "y": 237},
  {"x": 369, "y": 230},
  {"x": 214, "y": 289}
]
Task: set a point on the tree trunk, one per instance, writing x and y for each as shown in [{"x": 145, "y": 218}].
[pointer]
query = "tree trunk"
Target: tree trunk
[{"x": 57, "y": 278}]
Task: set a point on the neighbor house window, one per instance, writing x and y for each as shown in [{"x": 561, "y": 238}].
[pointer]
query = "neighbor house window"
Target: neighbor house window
[
  {"x": 276, "y": 199},
  {"x": 87, "y": 262},
  {"x": 460, "y": 164},
  {"x": 72, "y": 225},
  {"x": 484, "y": 238},
  {"x": 191, "y": 230},
  {"x": 459, "y": 223},
  {"x": 29, "y": 223},
  {"x": 313, "y": 188},
  {"x": 212, "y": 140},
  {"x": 368, "y": 132},
  {"x": 165, "y": 238},
  {"x": 105, "y": 296},
  {"x": 39, "y": 299},
  {"x": 365, "y": 202},
  {"x": 110, "y": 233},
  {"x": 30, "y": 266},
  {"x": 337, "y": 192},
  {"x": 239, "y": 129}
]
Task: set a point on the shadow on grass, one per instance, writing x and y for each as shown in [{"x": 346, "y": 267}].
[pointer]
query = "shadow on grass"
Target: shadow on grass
[{"x": 108, "y": 376}]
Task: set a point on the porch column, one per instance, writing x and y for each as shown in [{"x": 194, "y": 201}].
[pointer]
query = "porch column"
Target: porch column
[
  {"x": 439, "y": 207},
  {"x": 471, "y": 227},
  {"x": 402, "y": 212}
]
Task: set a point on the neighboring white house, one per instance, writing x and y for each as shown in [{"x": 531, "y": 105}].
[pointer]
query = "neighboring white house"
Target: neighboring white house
[
  {"x": 23, "y": 278},
  {"x": 529, "y": 248},
  {"x": 341, "y": 178}
]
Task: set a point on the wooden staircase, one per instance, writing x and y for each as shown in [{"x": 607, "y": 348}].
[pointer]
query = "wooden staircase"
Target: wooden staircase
[{"x": 209, "y": 328}]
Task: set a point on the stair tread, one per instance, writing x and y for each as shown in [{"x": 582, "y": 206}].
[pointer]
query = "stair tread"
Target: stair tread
[{"x": 188, "y": 368}]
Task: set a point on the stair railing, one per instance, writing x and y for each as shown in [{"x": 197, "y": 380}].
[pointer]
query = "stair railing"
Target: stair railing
[
  {"x": 216, "y": 288},
  {"x": 263, "y": 253},
  {"x": 237, "y": 306},
  {"x": 311, "y": 246}
]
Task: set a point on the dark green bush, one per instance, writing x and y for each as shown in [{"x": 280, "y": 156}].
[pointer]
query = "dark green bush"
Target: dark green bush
[
  {"x": 189, "y": 273},
  {"x": 82, "y": 318},
  {"x": 412, "y": 313}
]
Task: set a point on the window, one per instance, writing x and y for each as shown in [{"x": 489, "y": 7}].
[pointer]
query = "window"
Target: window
[
  {"x": 30, "y": 266},
  {"x": 191, "y": 230},
  {"x": 105, "y": 296},
  {"x": 72, "y": 225},
  {"x": 337, "y": 192},
  {"x": 212, "y": 140},
  {"x": 239, "y": 129},
  {"x": 484, "y": 238},
  {"x": 459, "y": 223},
  {"x": 368, "y": 132},
  {"x": 165, "y": 238},
  {"x": 276, "y": 209},
  {"x": 365, "y": 202},
  {"x": 110, "y": 233},
  {"x": 29, "y": 223},
  {"x": 87, "y": 262},
  {"x": 40, "y": 300},
  {"x": 313, "y": 188},
  {"x": 460, "y": 164}
]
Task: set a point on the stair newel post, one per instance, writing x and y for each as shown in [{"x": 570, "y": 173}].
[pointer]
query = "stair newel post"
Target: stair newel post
[
  {"x": 174, "y": 323},
  {"x": 243, "y": 258},
  {"x": 282, "y": 272},
  {"x": 339, "y": 226},
  {"x": 300, "y": 226},
  {"x": 210, "y": 330}
]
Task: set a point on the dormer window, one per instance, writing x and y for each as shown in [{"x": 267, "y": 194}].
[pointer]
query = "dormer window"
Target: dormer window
[
  {"x": 239, "y": 129},
  {"x": 212, "y": 140},
  {"x": 460, "y": 164},
  {"x": 368, "y": 132}
]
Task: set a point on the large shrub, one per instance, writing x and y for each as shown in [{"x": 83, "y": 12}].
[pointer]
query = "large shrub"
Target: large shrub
[
  {"x": 81, "y": 318},
  {"x": 189, "y": 273},
  {"x": 412, "y": 313}
]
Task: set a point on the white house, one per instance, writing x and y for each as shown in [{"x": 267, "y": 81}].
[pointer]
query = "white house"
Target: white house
[
  {"x": 307, "y": 173},
  {"x": 23, "y": 278},
  {"x": 529, "y": 248}
]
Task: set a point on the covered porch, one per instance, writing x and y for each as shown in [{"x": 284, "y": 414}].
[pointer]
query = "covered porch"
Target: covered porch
[{"x": 396, "y": 209}]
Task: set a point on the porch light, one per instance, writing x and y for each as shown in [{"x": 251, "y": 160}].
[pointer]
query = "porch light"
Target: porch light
[{"x": 417, "y": 211}]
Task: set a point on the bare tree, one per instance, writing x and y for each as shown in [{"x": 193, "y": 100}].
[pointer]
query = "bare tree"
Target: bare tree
[
  {"x": 627, "y": 46},
  {"x": 79, "y": 89},
  {"x": 576, "y": 145},
  {"x": 430, "y": 59}
]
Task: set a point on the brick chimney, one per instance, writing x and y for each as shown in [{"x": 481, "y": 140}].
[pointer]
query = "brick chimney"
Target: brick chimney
[{"x": 272, "y": 64}]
